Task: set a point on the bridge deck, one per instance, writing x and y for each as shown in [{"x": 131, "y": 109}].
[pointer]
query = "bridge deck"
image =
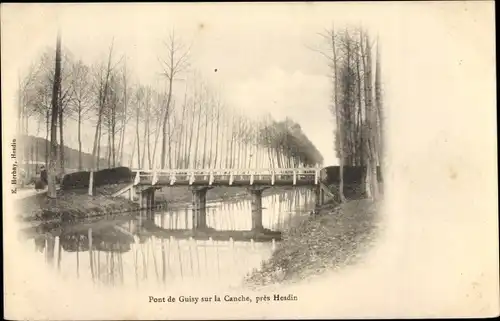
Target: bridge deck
[
  {"x": 216, "y": 235},
  {"x": 239, "y": 177}
]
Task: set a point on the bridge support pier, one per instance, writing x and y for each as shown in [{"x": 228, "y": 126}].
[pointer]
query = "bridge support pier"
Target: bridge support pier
[
  {"x": 256, "y": 193},
  {"x": 147, "y": 199},
  {"x": 199, "y": 204},
  {"x": 319, "y": 197}
]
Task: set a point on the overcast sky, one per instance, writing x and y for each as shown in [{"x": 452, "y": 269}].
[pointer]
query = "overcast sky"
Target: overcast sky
[{"x": 260, "y": 51}]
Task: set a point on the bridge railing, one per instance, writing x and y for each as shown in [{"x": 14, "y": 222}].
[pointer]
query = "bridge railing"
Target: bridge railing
[{"x": 243, "y": 174}]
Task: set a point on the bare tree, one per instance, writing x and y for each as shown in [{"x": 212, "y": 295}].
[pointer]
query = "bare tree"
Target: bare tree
[
  {"x": 338, "y": 117},
  {"x": 175, "y": 62},
  {"x": 81, "y": 100},
  {"x": 371, "y": 120},
  {"x": 102, "y": 93},
  {"x": 125, "y": 116},
  {"x": 112, "y": 114},
  {"x": 160, "y": 102},
  {"x": 198, "y": 100},
  {"x": 66, "y": 92},
  {"x": 181, "y": 158},
  {"x": 358, "y": 120}
]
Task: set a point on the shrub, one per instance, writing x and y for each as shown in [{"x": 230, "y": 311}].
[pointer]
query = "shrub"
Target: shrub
[
  {"x": 113, "y": 176},
  {"x": 75, "y": 180},
  {"x": 103, "y": 177},
  {"x": 39, "y": 184},
  {"x": 352, "y": 175}
]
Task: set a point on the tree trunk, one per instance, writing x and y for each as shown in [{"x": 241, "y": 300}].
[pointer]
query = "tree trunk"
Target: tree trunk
[
  {"x": 113, "y": 132},
  {"x": 217, "y": 137},
  {"x": 197, "y": 137},
  {"x": 359, "y": 128},
  {"x": 165, "y": 119},
  {"x": 338, "y": 117},
  {"x": 79, "y": 137},
  {"x": 210, "y": 156},
  {"x": 157, "y": 135},
  {"x": 108, "y": 150},
  {"x": 53, "y": 135},
  {"x": 189, "y": 165},
  {"x": 379, "y": 104},
  {"x": 182, "y": 135},
  {"x": 61, "y": 134},
  {"x": 99, "y": 135},
  {"x": 124, "y": 123},
  {"x": 138, "y": 139},
  {"x": 103, "y": 91},
  {"x": 148, "y": 131},
  {"x": 372, "y": 168},
  {"x": 203, "y": 165},
  {"x": 133, "y": 153},
  {"x": 47, "y": 142},
  {"x": 169, "y": 140}
]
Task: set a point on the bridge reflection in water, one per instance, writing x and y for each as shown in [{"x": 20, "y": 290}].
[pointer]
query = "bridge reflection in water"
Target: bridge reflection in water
[{"x": 130, "y": 251}]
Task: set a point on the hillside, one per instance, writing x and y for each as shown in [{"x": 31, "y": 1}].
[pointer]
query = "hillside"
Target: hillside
[{"x": 36, "y": 150}]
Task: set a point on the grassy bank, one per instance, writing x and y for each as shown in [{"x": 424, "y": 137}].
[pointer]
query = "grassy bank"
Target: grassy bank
[
  {"x": 334, "y": 238},
  {"x": 74, "y": 204}
]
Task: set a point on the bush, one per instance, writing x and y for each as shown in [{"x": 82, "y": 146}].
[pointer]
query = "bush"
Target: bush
[
  {"x": 39, "y": 184},
  {"x": 75, "y": 180},
  {"x": 113, "y": 176},
  {"x": 352, "y": 175},
  {"x": 103, "y": 177}
]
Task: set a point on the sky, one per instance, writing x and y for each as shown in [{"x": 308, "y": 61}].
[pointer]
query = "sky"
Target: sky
[
  {"x": 261, "y": 51},
  {"x": 263, "y": 58}
]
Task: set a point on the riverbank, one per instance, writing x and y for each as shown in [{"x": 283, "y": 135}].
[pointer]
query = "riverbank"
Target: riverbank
[
  {"x": 77, "y": 204},
  {"x": 71, "y": 205},
  {"x": 334, "y": 238}
]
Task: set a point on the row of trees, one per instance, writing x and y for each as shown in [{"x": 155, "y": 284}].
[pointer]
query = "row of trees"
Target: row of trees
[
  {"x": 356, "y": 101},
  {"x": 136, "y": 124}
]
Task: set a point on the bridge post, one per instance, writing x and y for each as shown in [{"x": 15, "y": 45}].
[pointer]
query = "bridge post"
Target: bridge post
[
  {"x": 318, "y": 197},
  {"x": 199, "y": 203},
  {"x": 152, "y": 198},
  {"x": 131, "y": 193},
  {"x": 143, "y": 199},
  {"x": 256, "y": 193},
  {"x": 91, "y": 183}
]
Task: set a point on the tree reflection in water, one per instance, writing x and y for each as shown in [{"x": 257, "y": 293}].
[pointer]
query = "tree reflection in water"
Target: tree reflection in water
[{"x": 127, "y": 251}]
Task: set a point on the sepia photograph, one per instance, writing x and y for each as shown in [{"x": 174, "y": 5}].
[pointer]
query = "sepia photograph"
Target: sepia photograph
[{"x": 249, "y": 160}]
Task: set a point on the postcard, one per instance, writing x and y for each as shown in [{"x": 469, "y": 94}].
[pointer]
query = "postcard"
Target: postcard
[{"x": 249, "y": 160}]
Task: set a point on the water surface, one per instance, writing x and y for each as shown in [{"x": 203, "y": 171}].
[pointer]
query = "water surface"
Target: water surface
[{"x": 123, "y": 252}]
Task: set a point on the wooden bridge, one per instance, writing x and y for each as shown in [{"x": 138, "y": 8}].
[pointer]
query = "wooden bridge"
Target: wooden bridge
[
  {"x": 229, "y": 177},
  {"x": 201, "y": 180},
  {"x": 146, "y": 182}
]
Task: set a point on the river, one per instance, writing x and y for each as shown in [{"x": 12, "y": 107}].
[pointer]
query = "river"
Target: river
[{"x": 122, "y": 253}]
